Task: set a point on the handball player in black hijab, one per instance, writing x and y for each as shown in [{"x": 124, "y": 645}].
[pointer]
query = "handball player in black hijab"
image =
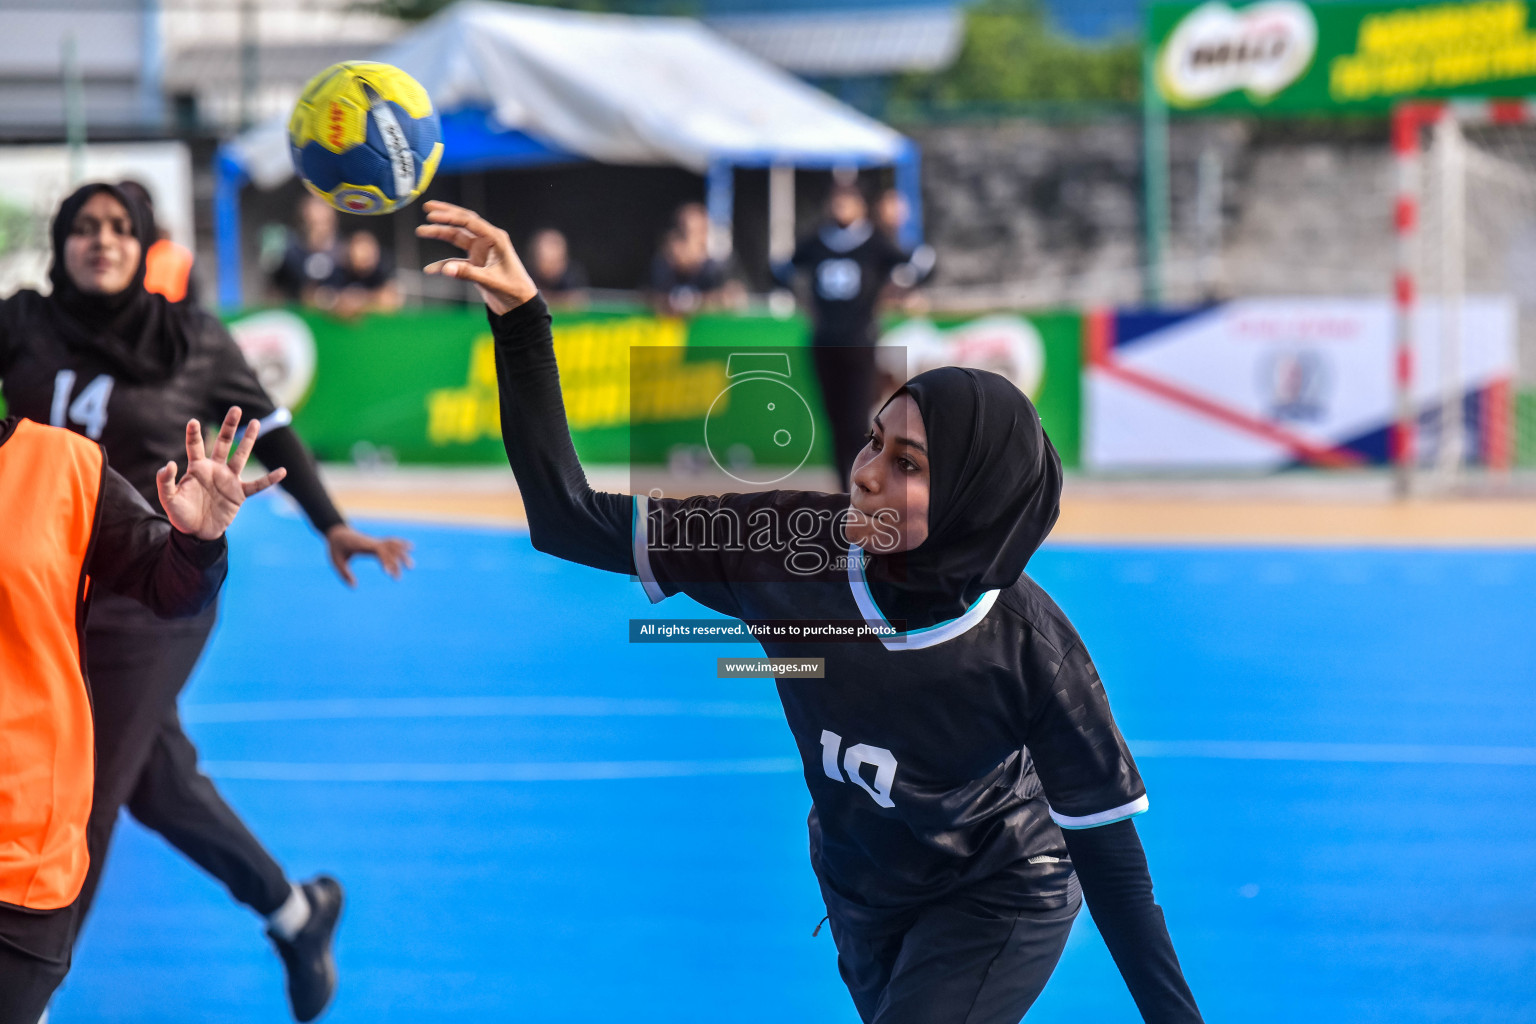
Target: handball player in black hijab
[
  {"x": 102, "y": 356},
  {"x": 968, "y": 782}
]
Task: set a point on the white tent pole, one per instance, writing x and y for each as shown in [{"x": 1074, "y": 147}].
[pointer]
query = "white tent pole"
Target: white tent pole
[{"x": 781, "y": 213}]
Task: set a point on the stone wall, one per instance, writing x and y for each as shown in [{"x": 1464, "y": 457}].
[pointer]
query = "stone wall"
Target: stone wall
[{"x": 1047, "y": 213}]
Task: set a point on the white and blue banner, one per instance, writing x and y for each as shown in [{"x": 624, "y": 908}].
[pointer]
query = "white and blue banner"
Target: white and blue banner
[{"x": 1269, "y": 383}]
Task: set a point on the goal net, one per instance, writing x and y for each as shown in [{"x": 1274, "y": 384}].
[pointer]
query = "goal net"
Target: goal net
[{"x": 1466, "y": 289}]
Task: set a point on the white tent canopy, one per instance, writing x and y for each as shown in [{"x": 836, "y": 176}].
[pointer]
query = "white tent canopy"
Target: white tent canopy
[{"x": 615, "y": 88}]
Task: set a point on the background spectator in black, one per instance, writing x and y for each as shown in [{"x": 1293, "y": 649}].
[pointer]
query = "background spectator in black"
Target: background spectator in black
[
  {"x": 561, "y": 280},
  {"x": 366, "y": 279},
  {"x": 685, "y": 279},
  {"x": 682, "y": 277},
  {"x": 849, "y": 262},
  {"x": 692, "y": 221},
  {"x": 311, "y": 267}
]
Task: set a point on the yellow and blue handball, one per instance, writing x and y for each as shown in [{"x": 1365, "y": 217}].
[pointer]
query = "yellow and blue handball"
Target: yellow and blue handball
[{"x": 365, "y": 137}]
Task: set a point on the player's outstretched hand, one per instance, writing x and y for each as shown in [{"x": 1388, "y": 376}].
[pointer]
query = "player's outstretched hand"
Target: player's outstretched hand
[
  {"x": 204, "y": 502},
  {"x": 489, "y": 261},
  {"x": 393, "y": 553}
]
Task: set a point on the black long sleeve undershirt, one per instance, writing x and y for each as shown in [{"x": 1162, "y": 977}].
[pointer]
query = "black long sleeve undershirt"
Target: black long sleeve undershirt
[
  {"x": 1112, "y": 869},
  {"x": 570, "y": 520},
  {"x": 282, "y": 449},
  {"x": 140, "y": 555},
  {"x": 566, "y": 517}
]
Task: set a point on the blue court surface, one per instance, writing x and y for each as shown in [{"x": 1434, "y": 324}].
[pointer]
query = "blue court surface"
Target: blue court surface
[{"x": 537, "y": 821}]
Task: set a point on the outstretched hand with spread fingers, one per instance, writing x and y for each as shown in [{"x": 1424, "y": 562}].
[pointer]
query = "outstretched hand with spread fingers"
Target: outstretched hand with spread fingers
[
  {"x": 489, "y": 261},
  {"x": 204, "y": 501}
]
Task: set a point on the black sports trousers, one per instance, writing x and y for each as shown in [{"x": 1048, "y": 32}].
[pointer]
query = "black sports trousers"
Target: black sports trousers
[
  {"x": 846, "y": 373},
  {"x": 966, "y": 959},
  {"x": 26, "y": 985},
  {"x": 138, "y": 665}
]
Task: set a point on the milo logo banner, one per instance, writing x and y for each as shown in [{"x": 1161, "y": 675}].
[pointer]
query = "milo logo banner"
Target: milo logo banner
[
  {"x": 737, "y": 391},
  {"x": 1290, "y": 57}
]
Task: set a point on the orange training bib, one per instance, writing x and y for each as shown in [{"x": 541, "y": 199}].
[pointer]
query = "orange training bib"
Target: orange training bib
[{"x": 50, "y": 482}]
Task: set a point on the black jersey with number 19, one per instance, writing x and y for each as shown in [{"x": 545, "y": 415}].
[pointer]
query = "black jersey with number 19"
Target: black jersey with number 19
[{"x": 935, "y": 757}]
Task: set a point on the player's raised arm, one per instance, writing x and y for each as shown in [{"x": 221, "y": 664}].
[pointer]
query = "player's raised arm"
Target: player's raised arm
[{"x": 566, "y": 517}]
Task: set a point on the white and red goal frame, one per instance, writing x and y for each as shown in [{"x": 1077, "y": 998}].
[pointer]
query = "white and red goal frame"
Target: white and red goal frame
[{"x": 1409, "y": 121}]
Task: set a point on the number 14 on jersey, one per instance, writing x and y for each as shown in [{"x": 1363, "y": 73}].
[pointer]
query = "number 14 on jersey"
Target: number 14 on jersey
[{"x": 89, "y": 409}]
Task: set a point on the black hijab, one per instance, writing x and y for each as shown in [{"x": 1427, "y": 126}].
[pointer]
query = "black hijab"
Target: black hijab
[
  {"x": 143, "y": 334},
  {"x": 994, "y": 493}
]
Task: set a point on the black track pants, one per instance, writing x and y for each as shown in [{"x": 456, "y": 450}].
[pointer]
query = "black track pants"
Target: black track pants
[
  {"x": 963, "y": 960},
  {"x": 26, "y": 985},
  {"x": 847, "y": 378},
  {"x": 144, "y": 760}
]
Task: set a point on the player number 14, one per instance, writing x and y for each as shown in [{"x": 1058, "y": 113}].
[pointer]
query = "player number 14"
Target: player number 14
[
  {"x": 89, "y": 409},
  {"x": 855, "y": 758}
]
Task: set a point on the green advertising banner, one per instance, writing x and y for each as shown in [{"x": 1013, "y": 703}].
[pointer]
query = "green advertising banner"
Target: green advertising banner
[
  {"x": 1288, "y": 57},
  {"x": 420, "y": 386}
]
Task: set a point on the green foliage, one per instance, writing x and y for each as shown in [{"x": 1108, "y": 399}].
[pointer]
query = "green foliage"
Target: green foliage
[
  {"x": 19, "y": 229},
  {"x": 1012, "y": 54}
]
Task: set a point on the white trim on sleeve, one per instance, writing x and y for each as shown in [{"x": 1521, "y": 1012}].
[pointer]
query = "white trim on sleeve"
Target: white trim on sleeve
[
  {"x": 643, "y": 553},
  {"x": 279, "y": 417},
  {"x": 1109, "y": 817}
]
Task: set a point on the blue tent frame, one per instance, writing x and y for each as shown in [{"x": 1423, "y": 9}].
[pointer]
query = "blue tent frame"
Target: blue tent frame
[{"x": 473, "y": 141}]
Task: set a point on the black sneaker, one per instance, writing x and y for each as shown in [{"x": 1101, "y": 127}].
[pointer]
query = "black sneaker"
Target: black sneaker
[{"x": 308, "y": 960}]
